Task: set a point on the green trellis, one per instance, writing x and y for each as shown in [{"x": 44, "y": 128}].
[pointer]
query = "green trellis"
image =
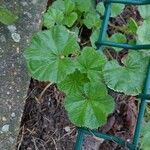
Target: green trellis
[{"x": 144, "y": 96}]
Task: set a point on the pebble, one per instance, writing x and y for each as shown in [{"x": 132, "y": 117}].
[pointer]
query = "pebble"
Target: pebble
[
  {"x": 16, "y": 37},
  {"x": 13, "y": 115},
  {"x": 12, "y": 28},
  {"x": 5, "y": 128},
  {"x": 4, "y": 119},
  {"x": 7, "y": 92},
  {"x": 67, "y": 129}
]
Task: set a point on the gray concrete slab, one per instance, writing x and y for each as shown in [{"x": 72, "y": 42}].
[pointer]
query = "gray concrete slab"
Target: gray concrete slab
[{"x": 14, "y": 79}]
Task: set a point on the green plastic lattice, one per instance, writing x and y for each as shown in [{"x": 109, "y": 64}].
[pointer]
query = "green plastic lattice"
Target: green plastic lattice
[{"x": 144, "y": 96}]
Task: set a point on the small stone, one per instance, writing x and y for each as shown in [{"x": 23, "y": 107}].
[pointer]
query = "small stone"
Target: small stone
[
  {"x": 12, "y": 28},
  {"x": 10, "y": 87},
  {"x": 16, "y": 37},
  {"x": 13, "y": 115},
  {"x": 17, "y": 50},
  {"x": 128, "y": 140},
  {"x": 67, "y": 129},
  {"x": 2, "y": 38},
  {"x": 5, "y": 128},
  {"x": 7, "y": 92},
  {"x": 79, "y": 40},
  {"x": 4, "y": 119}
]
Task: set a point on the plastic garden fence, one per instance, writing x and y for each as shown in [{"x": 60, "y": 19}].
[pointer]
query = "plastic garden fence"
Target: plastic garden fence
[{"x": 144, "y": 96}]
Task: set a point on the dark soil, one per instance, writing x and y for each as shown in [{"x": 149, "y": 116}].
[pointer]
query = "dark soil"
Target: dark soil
[
  {"x": 45, "y": 125},
  {"x": 44, "y": 122}
]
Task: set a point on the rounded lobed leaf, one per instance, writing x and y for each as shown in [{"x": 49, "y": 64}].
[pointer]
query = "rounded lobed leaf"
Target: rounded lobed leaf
[
  {"x": 48, "y": 54},
  {"x": 100, "y": 8},
  {"x": 118, "y": 38},
  {"x": 116, "y": 10},
  {"x": 128, "y": 78},
  {"x": 143, "y": 33},
  {"x": 60, "y": 12},
  {"x": 89, "y": 107},
  {"x": 94, "y": 37},
  {"x": 58, "y": 4},
  {"x": 92, "y": 20},
  {"x": 145, "y": 136},
  {"x": 70, "y": 19},
  {"x": 69, "y": 13},
  {"x": 92, "y": 63},
  {"x": 52, "y": 17},
  {"x": 73, "y": 82},
  {"x": 69, "y": 6},
  {"x": 84, "y": 6},
  {"x": 144, "y": 11}
]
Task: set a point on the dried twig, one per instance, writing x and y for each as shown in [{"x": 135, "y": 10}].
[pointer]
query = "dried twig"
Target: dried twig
[{"x": 42, "y": 93}]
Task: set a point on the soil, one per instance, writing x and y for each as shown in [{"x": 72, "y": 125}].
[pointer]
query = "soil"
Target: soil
[{"x": 45, "y": 124}]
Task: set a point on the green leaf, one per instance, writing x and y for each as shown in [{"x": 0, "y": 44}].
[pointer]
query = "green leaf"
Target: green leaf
[
  {"x": 89, "y": 107},
  {"x": 61, "y": 12},
  {"x": 116, "y": 10},
  {"x": 84, "y": 6},
  {"x": 58, "y": 4},
  {"x": 70, "y": 15},
  {"x": 73, "y": 82},
  {"x": 94, "y": 37},
  {"x": 128, "y": 78},
  {"x": 91, "y": 62},
  {"x": 100, "y": 8},
  {"x": 143, "y": 33},
  {"x": 92, "y": 20},
  {"x": 70, "y": 19},
  {"x": 48, "y": 54},
  {"x": 52, "y": 17},
  {"x": 132, "y": 26},
  {"x": 132, "y": 42},
  {"x": 144, "y": 11},
  {"x": 6, "y": 16},
  {"x": 146, "y": 128},
  {"x": 69, "y": 6},
  {"x": 143, "y": 36},
  {"x": 146, "y": 53},
  {"x": 145, "y": 144},
  {"x": 75, "y": 30},
  {"x": 118, "y": 38}
]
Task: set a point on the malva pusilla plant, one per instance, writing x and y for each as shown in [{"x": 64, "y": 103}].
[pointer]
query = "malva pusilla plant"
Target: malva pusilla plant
[{"x": 64, "y": 55}]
